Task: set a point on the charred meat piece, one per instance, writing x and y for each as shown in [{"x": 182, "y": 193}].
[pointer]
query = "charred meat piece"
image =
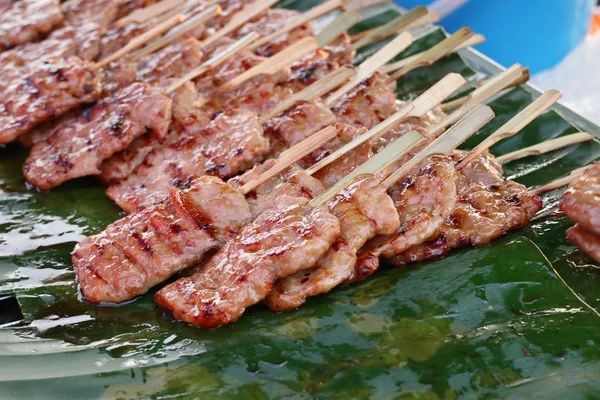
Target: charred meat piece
[
  {"x": 48, "y": 91},
  {"x": 79, "y": 147},
  {"x": 364, "y": 210},
  {"x": 26, "y": 21},
  {"x": 101, "y": 12},
  {"x": 310, "y": 69},
  {"x": 277, "y": 244},
  {"x": 423, "y": 201},
  {"x": 488, "y": 206},
  {"x": 147, "y": 247},
  {"x": 586, "y": 241},
  {"x": 272, "y": 21},
  {"x": 173, "y": 61},
  {"x": 581, "y": 201},
  {"x": 230, "y": 144}
]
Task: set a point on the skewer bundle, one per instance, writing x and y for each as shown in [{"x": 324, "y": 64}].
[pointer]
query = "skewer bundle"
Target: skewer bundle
[{"x": 378, "y": 179}]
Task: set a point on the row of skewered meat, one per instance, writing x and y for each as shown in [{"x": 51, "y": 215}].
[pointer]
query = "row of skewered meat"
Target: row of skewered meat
[{"x": 178, "y": 160}]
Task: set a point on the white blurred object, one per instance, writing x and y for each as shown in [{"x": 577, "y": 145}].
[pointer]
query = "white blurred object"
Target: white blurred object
[{"x": 578, "y": 78}]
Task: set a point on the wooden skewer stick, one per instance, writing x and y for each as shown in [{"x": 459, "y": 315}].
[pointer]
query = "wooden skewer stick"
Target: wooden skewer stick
[
  {"x": 292, "y": 155},
  {"x": 447, "y": 142},
  {"x": 380, "y": 161},
  {"x": 479, "y": 96},
  {"x": 247, "y": 13},
  {"x": 271, "y": 65},
  {"x": 314, "y": 91},
  {"x": 432, "y": 55},
  {"x": 546, "y": 147},
  {"x": 355, "y": 5},
  {"x": 305, "y": 18},
  {"x": 372, "y": 64},
  {"x": 408, "y": 61},
  {"x": 428, "y": 18},
  {"x": 147, "y": 13},
  {"x": 142, "y": 39},
  {"x": 340, "y": 25},
  {"x": 418, "y": 16},
  {"x": 560, "y": 182},
  {"x": 419, "y": 107},
  {"x": 514, "y": 125},
  {"x": 451, "y": 105},
  {"x": 216, "y": 60},
  {"x": 194, "y": 22}
]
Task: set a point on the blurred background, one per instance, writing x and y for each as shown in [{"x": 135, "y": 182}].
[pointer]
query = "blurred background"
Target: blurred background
[{"x": 559, "y": 40}]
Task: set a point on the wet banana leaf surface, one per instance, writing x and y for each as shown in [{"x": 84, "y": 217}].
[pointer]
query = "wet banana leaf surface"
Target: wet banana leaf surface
[{"x": 518, "y": 318}]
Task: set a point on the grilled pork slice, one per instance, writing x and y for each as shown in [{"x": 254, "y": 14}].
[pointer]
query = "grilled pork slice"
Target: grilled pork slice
[
  {"x": 272, "y": 21},
  {"x": 340, "y": 50},
  {"x": 423, "y": 201},
  {"x": 80, "y": 146},
  {"x": 173, "y": 61},
  {"x": 488, "y": 206},
  {"x": 101, "y": 12},
  {"x": 48, "y": 91},
  {"x": 581, "y": 202},
  {"x": 228, "y": 9},
  {"x": 26, "y": 21},
  {"x": 364, "y": 210},
  {"x": 147, "y": 247},
  {"x": 116, "y": 38},
  {"x": 586, "y": 241},
  {"x": 230, "y": 144},
  {"x": 277, "y": 244},
  {"x": 128, "y": 6}
]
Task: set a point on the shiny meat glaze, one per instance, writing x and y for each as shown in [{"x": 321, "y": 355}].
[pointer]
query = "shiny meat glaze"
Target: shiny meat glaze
[
  {"x": 296, "y": 124},
  {"x": 277, "y": 244},
  {"x": 310, "y": 69},
  {"x": 364, "y": 210},
  {"x": 230, "y": 144},
  {"x": 101, "y": 12},
  {"x": 80, "y": 146},
  {"x": 28, "y": 21},
  {"x": 116, "y": 38},
  {"x": 423, "y": 201},
  {"x": 581, "y": 201},
  {"x": 44, "y": 131},
  {"x": 586, "y": 241},
  {"x": 187, "y": 121},
  {"x": 488, "y": 206},
  {"x": 147, "y": 247},
  {"x": 118, "y": 75},
  {"x": 173, "y": 61},
  {"x": 129, "y": 6},
  {"x": 272, "y": 21},
  {"x": 293, "y": 187},
  {"x": 48, "y": 91},
  {"x": 368, "y": 104}
]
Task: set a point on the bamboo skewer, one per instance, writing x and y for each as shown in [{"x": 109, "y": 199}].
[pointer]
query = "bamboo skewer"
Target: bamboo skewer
[
  {"x": 316, "y": 90},
  {"x": 292, "y": 155},
  {"x": 451, "y": 105},
  {"x": 419, "y": 107},
  {"x": 247, "y": 13},
  {"x": 373, "y": 63},
  {"x": 147, "y": 13},
  {"x": 447, "y": 142},
  {"x": 341, "y": 24},
  {"x": 475, "y": 39},
  {"x": 194, "y": 22},
  {"x": 479, "y": 96},
  {"x": 546, "y": 147},
  {"x": 418, "y": 16},
  {"x": 216, "y": 60},
  {"x": 142, "y": 39},
  {"x": 514, "y": 125},
  {"x": 560, "y": 182}
]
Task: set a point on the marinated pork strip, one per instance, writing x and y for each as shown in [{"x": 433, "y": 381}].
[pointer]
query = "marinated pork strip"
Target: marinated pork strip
[
  {"x": 173, "y": 61},
  {"x": 129, "y": 6},
  {"x": 364, "y": 211},
  {"x": 147, "y": 247},
  {"x": 81, "y": 12},
  {"x": 242, "y": 273},
  {"x": 80, "y": 146},
  {"x": 488, "y": 206},
  {"x": 26, "y": 21},
  {"x": 586, "y": 241},
  {"x": 581, "y": 203},
  {"x": 228, "y": 9},
  {"x": 55, "y": 87}
]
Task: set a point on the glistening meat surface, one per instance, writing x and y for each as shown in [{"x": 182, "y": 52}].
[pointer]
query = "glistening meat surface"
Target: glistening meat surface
[
  {"x": 277, "y": 244},
  {"x": 581, "y": 201},
  {"x": 27, "y": 21}
]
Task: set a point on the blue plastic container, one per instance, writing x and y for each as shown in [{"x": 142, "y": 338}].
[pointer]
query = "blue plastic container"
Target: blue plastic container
[{"x": 536, "y": 33}]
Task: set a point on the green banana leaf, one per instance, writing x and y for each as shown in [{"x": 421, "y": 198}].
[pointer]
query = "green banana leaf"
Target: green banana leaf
[{"x": 518, "y": 318}]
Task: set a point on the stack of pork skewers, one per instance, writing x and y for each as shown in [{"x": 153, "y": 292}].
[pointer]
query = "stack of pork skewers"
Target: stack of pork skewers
[{"x": 284, "y": 232}]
